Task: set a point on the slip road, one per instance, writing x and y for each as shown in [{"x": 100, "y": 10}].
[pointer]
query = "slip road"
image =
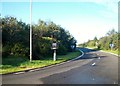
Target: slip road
[{"x": 94, "y": 67}]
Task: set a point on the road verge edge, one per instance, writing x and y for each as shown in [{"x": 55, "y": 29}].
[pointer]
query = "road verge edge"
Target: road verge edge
[{"x": 40, "y": 68}]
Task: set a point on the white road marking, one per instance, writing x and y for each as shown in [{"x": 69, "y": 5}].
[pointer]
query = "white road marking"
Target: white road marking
[
  {"x": 99, "y": 58},
  {"x": 32, "y": 70},
  {"x": 82, "y": 53},
  {"x": 19, "y": 73},
  {"x": 55, "y": 64},
  {"x": 37, "y": 69},
  {"x": 78, "y": 56},
  {"x": 93, "y": 64}
]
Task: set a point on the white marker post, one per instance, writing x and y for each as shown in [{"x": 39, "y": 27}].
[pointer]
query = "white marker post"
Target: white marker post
[
  {"x": 96, "y": 44},
  {"x": 54, "y": 56},
  {"x": 54, "y": 47},
  {"x": 111, "y": 46}
]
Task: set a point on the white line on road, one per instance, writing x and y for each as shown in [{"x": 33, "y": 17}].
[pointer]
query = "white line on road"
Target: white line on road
[
  {"x": 93, "y": 64},
  {"x": 54, "y": 65},
  {"x": 78, "y": 56},
  {"x": 82, "y": 53},
  {"x": 19, "y": 72},
  {"x": 114, "y": 82},
  {"x": 32, "y": 70},
  {"x": 98, "y": 57}
]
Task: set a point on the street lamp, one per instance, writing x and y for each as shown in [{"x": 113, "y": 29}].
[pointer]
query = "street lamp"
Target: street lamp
[{"x": 30, "y": 30}]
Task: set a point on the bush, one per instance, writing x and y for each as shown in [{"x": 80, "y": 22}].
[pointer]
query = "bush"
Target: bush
[
  {"x": 62, "y": 50},
  {"x": 19, "y": 50},
  {"x": 42, "y": 48},
  {"x": 6, "y": 51}
]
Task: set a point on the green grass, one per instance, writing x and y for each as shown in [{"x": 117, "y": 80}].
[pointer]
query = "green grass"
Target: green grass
[
  {"x": 110, "y": 51},
  {"x": 92, "y": 48},
  {"x": 14, "y": 64}
]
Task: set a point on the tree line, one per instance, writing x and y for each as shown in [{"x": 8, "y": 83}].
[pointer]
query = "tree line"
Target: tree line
[
  {"x": 111, "y": 37},
  {"x": 16, "y": 38}
]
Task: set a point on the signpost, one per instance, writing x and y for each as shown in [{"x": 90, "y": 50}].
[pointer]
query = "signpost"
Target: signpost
[
  {"x": 72, "y": 46},
  {"x": 96, "y": 44},
  {"x": 54, "y": 47},
  {"x": 111, "y": 46}
]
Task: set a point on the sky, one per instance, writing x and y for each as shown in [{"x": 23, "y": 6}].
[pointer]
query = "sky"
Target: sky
[{"x": 83, "y": 19}]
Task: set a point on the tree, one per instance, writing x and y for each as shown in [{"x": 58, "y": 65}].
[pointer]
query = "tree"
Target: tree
[
  {"x": 15, "y": 36},
  {"x": 104, "y": 42},
  {"x": 111, "y": 32}
]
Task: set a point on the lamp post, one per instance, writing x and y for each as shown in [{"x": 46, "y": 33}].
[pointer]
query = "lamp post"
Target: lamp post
[{"x": 30, "y": 30}]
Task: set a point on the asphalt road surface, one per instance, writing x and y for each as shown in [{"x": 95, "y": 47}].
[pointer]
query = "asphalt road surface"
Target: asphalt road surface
[{"x": 94, "y": 67}]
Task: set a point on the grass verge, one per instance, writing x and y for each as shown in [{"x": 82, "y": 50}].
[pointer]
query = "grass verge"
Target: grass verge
[
  {"x": 15, "y": 64},
  {"x": 109, "y": 51}
]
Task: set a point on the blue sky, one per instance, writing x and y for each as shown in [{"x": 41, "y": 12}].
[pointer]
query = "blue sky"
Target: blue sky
[{"x": 84, "y": 20}]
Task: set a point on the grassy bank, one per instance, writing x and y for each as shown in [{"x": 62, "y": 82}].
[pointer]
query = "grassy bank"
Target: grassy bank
[
  {"x": 14, "y": 64},
  {"x": 110, "y": 51}
]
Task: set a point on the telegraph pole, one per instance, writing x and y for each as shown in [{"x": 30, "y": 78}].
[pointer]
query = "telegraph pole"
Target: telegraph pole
[{"x": 30, "y": 30}]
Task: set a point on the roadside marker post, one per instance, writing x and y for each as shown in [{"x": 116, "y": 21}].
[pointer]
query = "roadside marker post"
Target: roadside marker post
[
  {"x": 54, "y": 56},
  {"x": 111, "y": 46},
  {"x": 54, "y": 47}
]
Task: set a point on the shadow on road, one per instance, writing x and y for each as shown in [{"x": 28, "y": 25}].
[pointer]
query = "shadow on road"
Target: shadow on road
[
  {"x": 90, "y": 53},
  {"x": 79, "y": 75}
]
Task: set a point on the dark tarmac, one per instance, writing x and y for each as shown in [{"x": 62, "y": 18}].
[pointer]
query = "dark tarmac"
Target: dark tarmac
[{"x": 94, "y": 67}]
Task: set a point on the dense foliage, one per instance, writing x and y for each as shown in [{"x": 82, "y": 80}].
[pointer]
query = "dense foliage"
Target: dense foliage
[
  {"x": 15, "y": 38},
  {"x": 112, "y": 37}
]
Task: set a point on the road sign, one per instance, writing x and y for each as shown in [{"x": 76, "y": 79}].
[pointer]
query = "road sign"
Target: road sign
[
  {"x": 72, "y": 46},
  {"x": 54, "y": 46},
  {"x": 111, "y": 46}
]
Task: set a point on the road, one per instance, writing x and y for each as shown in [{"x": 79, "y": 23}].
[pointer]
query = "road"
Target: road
[{"x": 94, "y": 67}]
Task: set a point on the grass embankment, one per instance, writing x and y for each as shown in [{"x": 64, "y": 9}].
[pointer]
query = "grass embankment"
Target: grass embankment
[
  {"x": 112, "y": 51},
  {"x": 109, "y": 51},
  {"x": 14, "y": 64}
]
